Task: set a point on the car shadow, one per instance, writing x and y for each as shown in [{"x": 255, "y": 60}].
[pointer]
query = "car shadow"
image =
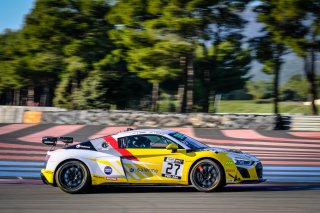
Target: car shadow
[{"x": 190, "y": 189}]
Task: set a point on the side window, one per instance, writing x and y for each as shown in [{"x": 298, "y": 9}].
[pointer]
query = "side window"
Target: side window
[
  {"x": 169, "y": 141},
  {"x": 157, "y": 141},
  {"x": 144, "y": 141}
]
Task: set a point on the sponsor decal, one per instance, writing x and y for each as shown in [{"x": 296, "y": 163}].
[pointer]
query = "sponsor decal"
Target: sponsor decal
[
  {"x": 230, "y": 170},
  {"x": 229, "y": 181},
  {"x": 229, "y": 162},
  {"x": 172, "y": 168},
  {"x": 147, "y": 170},
  {"x": 83, "y": 147},
  {"x": 108, "y": 170},
  {"x": 104, "y": 145},
  {"x": 143, "y": 170},
  {"x": 112, "y": 178},
  {"x": 98, "y": 177}
]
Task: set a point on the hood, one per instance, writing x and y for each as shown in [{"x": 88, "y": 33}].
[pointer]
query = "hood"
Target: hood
[
  {"x": 217, "y": 150},
  {"x": 233, "y": 153}
]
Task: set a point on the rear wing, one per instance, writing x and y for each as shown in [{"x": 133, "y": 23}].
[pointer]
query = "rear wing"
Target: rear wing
[{"x": 52, "y": 141}]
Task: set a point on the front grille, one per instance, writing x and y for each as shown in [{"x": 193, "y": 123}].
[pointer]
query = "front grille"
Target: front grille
[
  {"x": 259, "y": 169},
  {"x": 244, "y": 172}
]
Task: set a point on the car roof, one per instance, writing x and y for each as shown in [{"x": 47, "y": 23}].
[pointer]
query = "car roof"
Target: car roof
[{"x": 142, "y": 131}]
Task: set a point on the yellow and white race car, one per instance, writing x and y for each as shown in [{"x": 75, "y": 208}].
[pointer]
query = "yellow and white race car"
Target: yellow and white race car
[{"x": 144, "y": 157}]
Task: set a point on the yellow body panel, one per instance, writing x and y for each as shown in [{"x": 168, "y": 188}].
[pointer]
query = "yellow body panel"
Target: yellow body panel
[
  {"x": 149, "y": 166},
  {"x": 48, "y": 174}
]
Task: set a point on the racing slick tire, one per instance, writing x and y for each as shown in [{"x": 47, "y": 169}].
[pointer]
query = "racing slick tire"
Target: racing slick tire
[
  {"x": 73, "y": 177},
  {"x": 207, "y": 175}
]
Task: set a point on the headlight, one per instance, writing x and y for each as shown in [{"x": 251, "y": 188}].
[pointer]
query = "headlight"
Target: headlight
[{"x": 242, "y": 162}]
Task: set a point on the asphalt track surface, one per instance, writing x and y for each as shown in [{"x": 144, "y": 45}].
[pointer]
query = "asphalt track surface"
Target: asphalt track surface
[
  {"x": 287, "y": 157},
  {"x": 248, "y": 198}
]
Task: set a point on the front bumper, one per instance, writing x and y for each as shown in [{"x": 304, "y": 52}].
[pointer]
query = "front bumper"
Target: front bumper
[
  {"x": 246, "y": 174},
  {"x": 252, "y": 174}
]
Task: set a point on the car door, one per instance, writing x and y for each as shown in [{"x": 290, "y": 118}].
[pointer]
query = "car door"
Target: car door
[{"x": 151, "y": 161}]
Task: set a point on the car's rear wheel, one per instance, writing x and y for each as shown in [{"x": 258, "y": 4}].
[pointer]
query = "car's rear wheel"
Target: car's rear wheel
[
  {"x": 73, "y": 177},
  {"x": 207, "y": 175}
]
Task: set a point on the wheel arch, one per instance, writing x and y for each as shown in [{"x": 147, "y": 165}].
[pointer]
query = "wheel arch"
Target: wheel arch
[
  {"x": 213, "y": 159},
  {"x": 66, "y": 160}
]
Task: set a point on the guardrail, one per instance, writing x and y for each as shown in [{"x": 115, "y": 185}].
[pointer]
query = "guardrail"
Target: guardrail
[{"x": 305, "y": 123}]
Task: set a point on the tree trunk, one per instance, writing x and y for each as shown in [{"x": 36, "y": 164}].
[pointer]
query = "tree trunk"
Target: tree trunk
[
  {"x": 180, "y": 98},
  {"x": 183, "y": 86},
  {"x": 16, "y": 97},
  {"x": 45, "y": 96},
  {"x": 217, "y": 98},
  {"x": 206, "y": 80},
  {"x": 30, "y": 96},
  {"x": 276, "y": 86},
  {"x": 213, "y": 66},
  {"x": 9, "y": 97},
  {"x": 190, "y": 83},
  {"x": 155, "y": 95},
  {"x": 309, "y": 69}
]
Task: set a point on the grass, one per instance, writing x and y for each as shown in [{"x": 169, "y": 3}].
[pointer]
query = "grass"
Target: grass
[{"x": 248, "y": 106}]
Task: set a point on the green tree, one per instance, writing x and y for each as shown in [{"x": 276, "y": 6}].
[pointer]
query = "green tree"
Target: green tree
[
  {"x": 64, "y": 40},
  {"x": 230, "y": 67},
  {"x": 152, "y": 55},
  {"x": 296, "y": 88},
  {"x": 224, "y": 22},
  {"x": 259, "y": 89},
  {"x": 110, "y": 83},
  {"x": 195, "y": 22},
  {"x": 269, "y": 52},
  {"x": 9, "y": 65},
  {"x": 296, "y": 24}
]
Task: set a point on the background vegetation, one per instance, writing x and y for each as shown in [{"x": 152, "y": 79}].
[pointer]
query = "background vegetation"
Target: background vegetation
[{"x": 160, "y": 55}]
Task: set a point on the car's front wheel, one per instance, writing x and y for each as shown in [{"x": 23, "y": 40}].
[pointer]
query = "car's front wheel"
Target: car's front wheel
[
  {"x": 207, "y": 175},
  {"x": 73, "y": 177}
]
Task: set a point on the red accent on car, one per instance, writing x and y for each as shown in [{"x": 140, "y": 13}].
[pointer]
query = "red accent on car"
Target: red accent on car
[{"x": 124, "y": 152}]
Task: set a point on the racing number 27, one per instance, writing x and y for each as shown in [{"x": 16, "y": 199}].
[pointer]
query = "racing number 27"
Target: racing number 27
[{"x": 170, "y": 167}]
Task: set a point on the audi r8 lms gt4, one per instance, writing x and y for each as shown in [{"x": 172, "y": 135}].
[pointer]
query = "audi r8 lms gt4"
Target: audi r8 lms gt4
[{"x": 146, "y": 157}]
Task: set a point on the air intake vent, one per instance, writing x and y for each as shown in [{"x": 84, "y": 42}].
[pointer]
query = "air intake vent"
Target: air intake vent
[
  {"x": 259, "y": 170},
  {"x": 244, "y": 172}
]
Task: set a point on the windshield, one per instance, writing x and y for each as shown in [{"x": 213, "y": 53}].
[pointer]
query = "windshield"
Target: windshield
[{"x": 190, "y": 142}]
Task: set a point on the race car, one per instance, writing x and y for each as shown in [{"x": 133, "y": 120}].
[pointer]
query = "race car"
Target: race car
[{"x": 146, "y": 157}]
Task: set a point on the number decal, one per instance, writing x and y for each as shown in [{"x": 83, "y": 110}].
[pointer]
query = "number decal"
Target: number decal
[
  {"x": 172, "y": 168},
  {"x": 178, "y": 167},
  {"x": 168, "y": 168}
]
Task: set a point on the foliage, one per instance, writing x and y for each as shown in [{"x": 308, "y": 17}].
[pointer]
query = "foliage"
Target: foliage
[
  {"x": 259, "y": 89},
  {"x": 93, "y": 54},
  {"x": 296, "y": 88},
  {"x": 296, "y": 24}
]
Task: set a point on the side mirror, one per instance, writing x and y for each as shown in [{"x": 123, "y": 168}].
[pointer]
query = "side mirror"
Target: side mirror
[{"x": 173, "y": 147}]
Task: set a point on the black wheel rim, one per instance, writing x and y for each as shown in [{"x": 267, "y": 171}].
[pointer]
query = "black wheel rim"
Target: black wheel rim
[
  {"x": 71, "y": 176},
  {"x": 206, "y": 175}
]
